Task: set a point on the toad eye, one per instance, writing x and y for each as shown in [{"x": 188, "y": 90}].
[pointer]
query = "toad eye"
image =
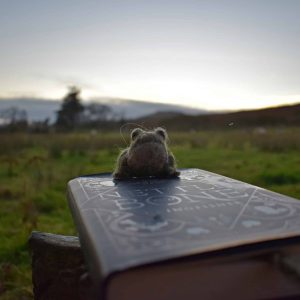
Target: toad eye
[
  {"x": 135, "y": 133},
  {"x": 161, "y": 132}
]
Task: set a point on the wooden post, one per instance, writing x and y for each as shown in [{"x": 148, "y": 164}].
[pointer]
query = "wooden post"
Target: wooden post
[{"x": 58, "y": 268}]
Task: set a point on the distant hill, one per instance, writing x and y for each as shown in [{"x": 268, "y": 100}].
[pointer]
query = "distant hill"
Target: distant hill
[
  {"x": 132, "y": 109},
  {"x": 288, "y": 115},
  {"x": 174, "y": 117},
  {"x": 40, "y": 109}
]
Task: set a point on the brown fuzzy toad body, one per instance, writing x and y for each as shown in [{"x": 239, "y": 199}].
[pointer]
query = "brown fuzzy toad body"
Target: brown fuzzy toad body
[{"x": 148, "y": 155}]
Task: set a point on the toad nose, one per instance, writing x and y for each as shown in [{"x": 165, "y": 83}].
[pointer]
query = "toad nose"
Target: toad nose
[{"x": 146, "y": 139}]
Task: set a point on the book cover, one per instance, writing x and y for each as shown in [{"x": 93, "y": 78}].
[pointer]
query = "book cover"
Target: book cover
[{"x": 125, "y": 224}]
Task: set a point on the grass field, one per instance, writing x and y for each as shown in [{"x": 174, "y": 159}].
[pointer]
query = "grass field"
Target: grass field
[{"x": 34, "y": 170}]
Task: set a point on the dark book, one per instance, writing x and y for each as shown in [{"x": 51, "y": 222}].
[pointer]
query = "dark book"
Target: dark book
[{"x": 199, "y": 236}]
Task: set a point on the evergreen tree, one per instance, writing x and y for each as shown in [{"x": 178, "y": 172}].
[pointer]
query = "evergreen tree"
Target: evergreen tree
[{"x": 69, "y": 116}]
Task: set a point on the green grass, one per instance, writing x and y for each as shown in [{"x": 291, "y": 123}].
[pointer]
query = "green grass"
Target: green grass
[{"x": 34, "y": 170}]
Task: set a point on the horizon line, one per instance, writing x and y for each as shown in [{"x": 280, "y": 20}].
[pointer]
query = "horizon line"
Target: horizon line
[{"x": 97, "y": 98}]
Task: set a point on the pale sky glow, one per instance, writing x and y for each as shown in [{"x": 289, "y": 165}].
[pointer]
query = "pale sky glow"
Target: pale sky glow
[{"x": 206, "y": 54}]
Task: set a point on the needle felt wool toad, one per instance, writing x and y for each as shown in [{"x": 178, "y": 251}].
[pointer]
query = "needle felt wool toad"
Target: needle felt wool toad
[{"x": 147, "y": 156}]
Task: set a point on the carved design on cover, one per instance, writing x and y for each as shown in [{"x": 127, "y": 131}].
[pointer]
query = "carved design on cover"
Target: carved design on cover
[{"x": 199, "y": 209}]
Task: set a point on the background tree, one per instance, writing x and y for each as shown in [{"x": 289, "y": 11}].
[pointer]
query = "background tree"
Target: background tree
[
  {"x": 97, "y": 116},
  {"x": 69, "y": 116},
  {"x": 13, "y": 119},
  {"x": 96, "y": 112}
]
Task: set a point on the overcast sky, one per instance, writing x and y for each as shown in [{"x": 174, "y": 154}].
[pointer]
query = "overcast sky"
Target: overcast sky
[{"x": 207, "y": 54}]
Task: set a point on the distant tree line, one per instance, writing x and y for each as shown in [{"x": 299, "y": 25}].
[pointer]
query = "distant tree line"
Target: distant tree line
[
  {"x": 72, "y": 115},
  {"x": 13, "y": 119}
]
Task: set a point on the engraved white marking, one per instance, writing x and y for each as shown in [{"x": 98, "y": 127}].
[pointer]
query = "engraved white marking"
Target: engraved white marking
[
  {"x": 242, "y": 210},
  {"x": 114, "y": 195},
  {"x": 84, "y": 191},
  {"x": 251, "y": 223},
  {"x": 107, "y": 183},
  {"x": 168, "y": 200},
  {"x": 128, "y": 204},
  {"x": 158, "y": 190},
  {"x": 135, "y": 226},
  {"x": 197, "y": 230},
  {"x": 270, "y": 210}
]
